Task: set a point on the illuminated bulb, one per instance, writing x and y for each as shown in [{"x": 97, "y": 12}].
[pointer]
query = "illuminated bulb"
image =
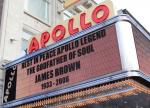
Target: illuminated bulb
[{"x": 89, "y": 91}]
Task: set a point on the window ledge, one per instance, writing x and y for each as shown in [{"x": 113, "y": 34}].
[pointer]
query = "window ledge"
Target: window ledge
[{"x": 43, "y": 22}]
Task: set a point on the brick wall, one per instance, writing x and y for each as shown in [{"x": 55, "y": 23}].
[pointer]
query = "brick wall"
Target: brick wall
[{"x": 143, "y": 50}]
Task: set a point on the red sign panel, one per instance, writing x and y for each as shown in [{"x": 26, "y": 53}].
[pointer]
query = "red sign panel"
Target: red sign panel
[
  {"x": 89, "y": 56},
  {"x": 142, "y": 45}
]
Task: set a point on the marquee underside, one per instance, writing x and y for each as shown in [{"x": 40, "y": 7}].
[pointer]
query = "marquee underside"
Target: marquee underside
[{"x": 122, "y": 94}]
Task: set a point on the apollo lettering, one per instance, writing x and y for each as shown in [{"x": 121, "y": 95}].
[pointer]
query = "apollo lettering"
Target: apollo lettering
[
  {"x": 59, "y": 31},
  {"x": 9, "y": 84}
]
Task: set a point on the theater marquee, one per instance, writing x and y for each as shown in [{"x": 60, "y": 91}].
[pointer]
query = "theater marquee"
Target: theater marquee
[{"x": 86, "y": 57}]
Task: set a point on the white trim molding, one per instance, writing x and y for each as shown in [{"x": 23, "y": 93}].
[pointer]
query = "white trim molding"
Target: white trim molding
[{"x": 127, "y": 46}]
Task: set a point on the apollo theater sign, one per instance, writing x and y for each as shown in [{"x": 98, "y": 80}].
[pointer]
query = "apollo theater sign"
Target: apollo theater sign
[
  {"x": 72, "y": 62},
  {"x": 80, "y": 22}
]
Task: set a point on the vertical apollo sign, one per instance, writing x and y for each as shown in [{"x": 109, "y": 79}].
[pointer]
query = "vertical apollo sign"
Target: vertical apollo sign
[{"x": 10, "y": 84}]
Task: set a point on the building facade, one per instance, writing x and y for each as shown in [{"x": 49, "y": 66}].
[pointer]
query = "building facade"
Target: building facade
[
  {"x": 98, "y": 58},
  {"x": 90, "y": 61},
  {"x": 74, "y": 7},
  {"x": 21, "y": 19}
]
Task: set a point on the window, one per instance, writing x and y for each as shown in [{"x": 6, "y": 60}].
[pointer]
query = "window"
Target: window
[
  {"x": 24, "y": 44},
  {"x": 38, "y": 8},
  {"x": 26, "y": 35}
]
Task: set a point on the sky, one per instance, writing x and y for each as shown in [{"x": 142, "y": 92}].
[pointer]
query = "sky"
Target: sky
[{"x": 140, "y": 9}]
